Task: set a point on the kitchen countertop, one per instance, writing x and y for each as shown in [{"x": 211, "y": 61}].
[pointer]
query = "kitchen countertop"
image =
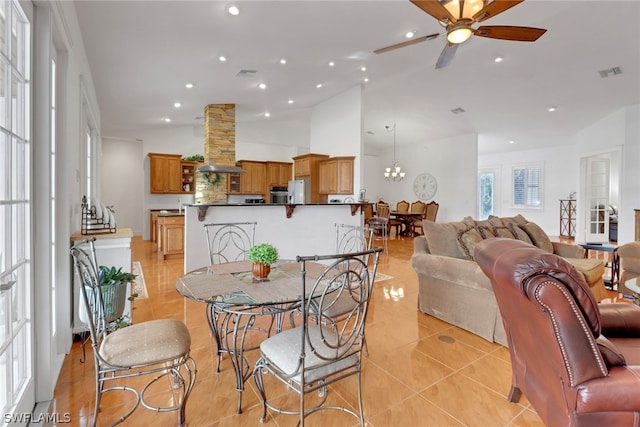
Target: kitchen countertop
[{"x": 279, "y": 204}]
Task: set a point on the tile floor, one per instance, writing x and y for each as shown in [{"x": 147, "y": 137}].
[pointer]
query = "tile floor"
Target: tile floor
[{"x": 411, "y": 377}]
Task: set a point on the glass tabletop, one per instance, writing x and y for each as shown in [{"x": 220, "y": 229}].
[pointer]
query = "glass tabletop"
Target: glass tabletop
[{"x": 233, "y": 283}]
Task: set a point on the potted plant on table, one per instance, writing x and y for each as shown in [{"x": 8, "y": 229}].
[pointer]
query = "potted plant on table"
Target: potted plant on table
[{"x": 262, "y": 256}]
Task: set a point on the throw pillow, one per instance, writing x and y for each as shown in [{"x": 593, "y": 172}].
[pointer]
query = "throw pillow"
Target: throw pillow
[
  {"x": 467, "y": 240},
  {"x": 538, "y": 237},
  {"x": 503, "y": 231},
  {"x": 442, "y": 237},
  {"x": 486, "y": 232},
  {"x": 519, "y": 233},
  {"x": 515, "y": 220}
]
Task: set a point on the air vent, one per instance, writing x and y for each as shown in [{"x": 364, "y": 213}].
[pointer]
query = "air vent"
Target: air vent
[
  {"x": 458, "y": 110},
  {"x": 246, "y": 73},
  {"x": 610, "y": 72}
]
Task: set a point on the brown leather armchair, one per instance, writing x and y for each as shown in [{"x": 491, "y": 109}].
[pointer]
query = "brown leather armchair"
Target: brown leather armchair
[{"x": 576, "y": 361}]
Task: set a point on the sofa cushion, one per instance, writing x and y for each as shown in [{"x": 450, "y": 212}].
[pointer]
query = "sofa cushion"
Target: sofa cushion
[
  {"x": 591, "y": 268},
  {"x": 442, "y": 237},
  {"x": 538, "y": 237},
  {"x": 519, "y": 233},
  {"x": 467, "y": 240},
  {"x": 513, "y": 220}
]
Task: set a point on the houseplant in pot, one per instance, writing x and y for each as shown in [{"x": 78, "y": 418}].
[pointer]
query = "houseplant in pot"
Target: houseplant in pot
[
  {"x": 262, "y": 256},
  {"x": 113, "y": 282}
]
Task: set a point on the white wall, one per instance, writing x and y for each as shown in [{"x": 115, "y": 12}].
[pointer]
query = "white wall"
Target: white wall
[
  {"x": 561, "y": 177},
  {"x": 120, "y": 189},
  {"x": 336, "y": 130},
  {"x": 452, "y": 161}
]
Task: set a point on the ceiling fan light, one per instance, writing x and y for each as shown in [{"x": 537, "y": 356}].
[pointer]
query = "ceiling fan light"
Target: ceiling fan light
[
  {"x": 470, "y": 8},
  {"x": 459, "y": 35}
]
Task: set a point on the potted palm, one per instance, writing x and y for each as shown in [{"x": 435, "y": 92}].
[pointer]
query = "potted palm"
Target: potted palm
[{"x": 262, "y": 256}]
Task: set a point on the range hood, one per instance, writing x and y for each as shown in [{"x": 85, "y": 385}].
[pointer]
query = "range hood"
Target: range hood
[{"x": 213, "y": 168}]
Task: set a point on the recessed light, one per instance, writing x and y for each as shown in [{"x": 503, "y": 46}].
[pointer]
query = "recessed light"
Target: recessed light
[
  {"x": 177, "y": 104},
  {"x": 189, "y": 85},
  {"x": 222, "y": 58},
  {"x": 366, "y": 79},
  {"x": 363, "y": 68},
  {"x": 511, "y": 141},
  {"x": 409, "y": 34},
  {"x": 290, "y": 101},
  {"x": 283, "y": 61},
  {"x": 498, "y": 59},
  {"x": 331, "y": 63},
  {"x": 319, "y": 85},
  {"x": 267, "y": 114},
  {"x": 233, "y": 10},
  {"x": 167, "y": 120},
  {"x": 262, "y": 86},
  {"x": 551, "y": 109}
]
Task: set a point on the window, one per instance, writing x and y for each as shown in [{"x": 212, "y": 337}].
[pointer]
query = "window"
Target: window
[{"x": 527, "y": 186}]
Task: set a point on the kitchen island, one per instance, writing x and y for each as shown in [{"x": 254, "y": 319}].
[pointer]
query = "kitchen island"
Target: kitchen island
[{"x": 303, "y": 229}]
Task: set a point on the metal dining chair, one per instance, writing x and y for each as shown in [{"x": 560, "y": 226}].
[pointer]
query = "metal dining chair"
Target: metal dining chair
[
  {"x": 380, "y": 223},
  {"x": 226, "y": 242},
  {"x": 156, "y": 349},
  {"x": 322, "y": 351}
]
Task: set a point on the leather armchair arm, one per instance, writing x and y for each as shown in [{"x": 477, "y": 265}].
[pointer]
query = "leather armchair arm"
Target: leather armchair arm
[
  {"x": 617, "y": 392},
  {"x": 619, "y": 320}
]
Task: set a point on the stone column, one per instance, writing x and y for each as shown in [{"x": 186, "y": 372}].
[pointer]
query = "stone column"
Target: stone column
[{"x": 220, "y": 148}]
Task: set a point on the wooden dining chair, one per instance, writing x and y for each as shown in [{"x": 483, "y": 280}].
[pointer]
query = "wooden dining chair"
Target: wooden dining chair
[
  {"x": 401, "y": 206},
  {"x": 418, "y": 206}
]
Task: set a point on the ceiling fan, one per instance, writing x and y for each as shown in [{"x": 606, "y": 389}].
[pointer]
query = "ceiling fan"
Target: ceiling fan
[{"x": 458, "y": 16}]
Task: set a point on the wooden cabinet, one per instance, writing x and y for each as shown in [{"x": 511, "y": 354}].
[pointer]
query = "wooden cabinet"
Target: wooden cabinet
[
  {"x": 188, "y": 176},
  {"x": 279, "y": 173},
  {"x": 165, "y": 173},
  {"x": 308, "y": 165},
  {"x": 252, "y": 181},
  {"x": 170, "y": 235},
  {"x": 336, "y": 175}
]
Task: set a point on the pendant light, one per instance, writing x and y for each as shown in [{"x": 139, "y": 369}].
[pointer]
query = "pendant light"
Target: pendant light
[{"x": 394, "y": 173}]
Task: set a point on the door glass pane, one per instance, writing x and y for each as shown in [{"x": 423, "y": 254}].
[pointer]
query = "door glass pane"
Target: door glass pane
[{"x": 486, "y": 194}]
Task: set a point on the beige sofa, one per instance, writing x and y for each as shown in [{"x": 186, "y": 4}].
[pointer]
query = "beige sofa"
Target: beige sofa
[{"x": 454, "y": 289}]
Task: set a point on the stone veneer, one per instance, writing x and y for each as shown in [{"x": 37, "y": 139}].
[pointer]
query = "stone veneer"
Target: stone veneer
[{"x": 219, "y": 147}]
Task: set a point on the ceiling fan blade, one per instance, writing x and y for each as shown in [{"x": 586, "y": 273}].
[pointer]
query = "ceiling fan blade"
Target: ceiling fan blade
[
  {"x": 435, "y": 9},
  {"x": 407, "y": 43},
  {"x": 447, "y": 55},
  {"x": 521, "y": 34},
  {"x": 494, "y": 8}
]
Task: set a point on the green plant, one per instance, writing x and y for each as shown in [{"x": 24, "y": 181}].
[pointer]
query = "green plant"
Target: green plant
[
  {"x": 264, "y": 253},
  {"x": 194, "y": 158},
  {"x": 111, "y": 276},
  {"x": 112, "y": 279}
]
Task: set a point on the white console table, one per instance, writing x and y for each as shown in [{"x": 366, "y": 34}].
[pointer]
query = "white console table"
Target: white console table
[{"x": 112, "y": 249}]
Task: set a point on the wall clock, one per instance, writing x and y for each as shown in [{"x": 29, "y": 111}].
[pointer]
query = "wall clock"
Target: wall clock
[{"x": 425, "y": 186}]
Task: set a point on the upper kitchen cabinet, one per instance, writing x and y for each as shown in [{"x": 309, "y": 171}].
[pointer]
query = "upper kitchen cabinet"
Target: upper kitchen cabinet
[
  {"x": 165, "y": 173},
  {"x": 336, "y": 175},
  {"x": 279, "y": 173},
  {"x": 252, "y": 181}
]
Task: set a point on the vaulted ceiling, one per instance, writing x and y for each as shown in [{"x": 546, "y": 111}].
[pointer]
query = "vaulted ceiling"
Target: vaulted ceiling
[{"x": 142, "y": 53}]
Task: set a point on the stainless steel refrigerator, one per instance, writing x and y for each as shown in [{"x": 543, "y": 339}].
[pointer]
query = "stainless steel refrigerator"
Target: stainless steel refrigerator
[{"x": 299, "y": 191}]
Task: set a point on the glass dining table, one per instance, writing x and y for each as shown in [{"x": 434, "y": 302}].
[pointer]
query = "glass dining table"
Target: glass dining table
[{"x": 241, "y": 311}]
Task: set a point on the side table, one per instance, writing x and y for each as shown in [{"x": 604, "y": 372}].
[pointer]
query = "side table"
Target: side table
[
  {"x": 634, "y": 286},
  {"x": 613, "y": 264}
]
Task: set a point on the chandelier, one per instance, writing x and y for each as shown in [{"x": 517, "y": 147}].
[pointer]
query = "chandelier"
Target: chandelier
[{"x": 393, "y": 173}]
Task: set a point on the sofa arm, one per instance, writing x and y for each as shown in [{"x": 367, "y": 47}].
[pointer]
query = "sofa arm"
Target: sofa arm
[
  {"x": 420, "y": 245},
  {"x": 613, "y": 392},
  {"x": 568, "y": 250},
  {"x": 619, "y": 320}
]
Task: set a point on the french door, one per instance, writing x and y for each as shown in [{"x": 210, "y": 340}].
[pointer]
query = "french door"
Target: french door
[
  {"x": 597, "y": 198},
  {"x": 17, "y": 393}
]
